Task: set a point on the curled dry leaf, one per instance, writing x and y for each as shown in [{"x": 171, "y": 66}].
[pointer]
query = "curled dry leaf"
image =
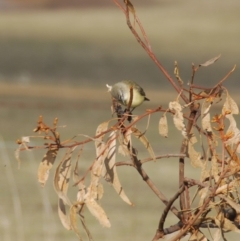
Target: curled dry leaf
[
  {"x": 110, "y": 170},
  {"x": 210, "y": 61},
  {"x": 81, "y": 187},
  {"x": 62, "y": 176},
  {"x": 194, "y": 156},
  {"x": 178, "y": 117},
  {"x": 95, "y": 177},
  {"x": 101, "y": 152},
  {"x": 205, "y": 115},
  {"x": 197, "y": 235},
  {"x": 229, "y": 109},
  {"x": 203, "y": 194},
  {"x": 97, "y": 211},
  {"x": 225, "y": 224},
  {"x": 98, "y": 141},
  {"x": 217, "y": 235},
  {"x": 81, "y": 192},
  {"x": 233, "y": 132},
  {"x": 62, "y": 213},
  {"x": 125, "y": 142},
  {"x": 227, "y": 187},
  {"x": 45, "y": 166},
  {"x": 138, "y": 134},
  {"x": 231, "y": 202},
  {"x": 230, "y": 106},
  {"x": 205, "y": 172},
  {"x": 73, "y": 220},
  {"x": 61, "y": 183},
  {"x": 214, "y": 168},
  {"x": 163, "y": 126}
]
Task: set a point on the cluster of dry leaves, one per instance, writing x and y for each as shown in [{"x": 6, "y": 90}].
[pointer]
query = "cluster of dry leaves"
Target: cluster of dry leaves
[
  {"x": 218, "y": 161},
  {"x": 210, "y": 141}
]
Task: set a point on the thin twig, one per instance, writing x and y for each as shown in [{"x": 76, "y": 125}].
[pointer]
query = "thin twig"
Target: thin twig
[
  {"x": 167, "y": 208},
  {"x": 137, "y": 164},
  {"x": 151, "y": 54}
]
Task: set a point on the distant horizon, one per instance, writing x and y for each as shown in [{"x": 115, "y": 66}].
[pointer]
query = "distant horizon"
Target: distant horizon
[{"x": 61, "y": 4}]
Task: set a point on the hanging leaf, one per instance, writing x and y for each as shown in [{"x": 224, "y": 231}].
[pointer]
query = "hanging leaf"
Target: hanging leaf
[
  {"x": 125, "y": 142},
  {"x": 225, "y": 224},
  {"x": 81, "y": 192},
  {"x": 163, "y": 126},
  {"x": 61, "y": 183},
  {"x": 110, "y": 170},
  {"x": 178, "y": 117},
  {"x": 46, "y": 165},
  {"x": 203, "y": 194},
  {"x": 231, "y": 203},
  {"x": 217, "y": 235},
  {"x": 138, "y": 134},
  {"x": 101, "y": 152},
  {"x": 97, "y": 211},
  {"x": 197, "y": 236},
  {"x": 62, "y": 213},
  {"x": 99, "y": 141},
  {"x": 80, "y": 183},
  {"x": 73, "y": 220},
  {"x": 95, "y": 178},
  {"x": 62, "y": 176},
  {"x": 215, "y": 168},
  {"x": 205, "y": 115},
  {"x": 230, "y": 106},
  {"x": 210, "y": 61},
  {"x": 90, "y": 238},
  {"x": 194, "y": 156},
  {"x": 233, "y": 133},
  {"x": 205, "y": 173}
]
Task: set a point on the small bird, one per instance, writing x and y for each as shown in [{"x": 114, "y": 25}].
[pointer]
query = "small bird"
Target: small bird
[{"x": 121, "y": 92}]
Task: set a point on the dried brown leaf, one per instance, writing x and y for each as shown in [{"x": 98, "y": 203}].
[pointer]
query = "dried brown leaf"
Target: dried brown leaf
[
  {"x": 163, "y": 126},
  {"x": 45, "y": 166},
  {"x": 63, "y": 215},
  {"x": 138, "y": 134},
  {"x": 203, "y": 194},
  {"x": 99, "y": 141},
  {"x": 73, "y": 220},
  {"x": 90, "y": 238},
  {"x": 101, "y": 152},
  {"x": 210, "y": 61},
  {"x": 205, "y": 172},
  {"x": 81, "y": 192},
  {"x": 62, "y": 176},
  {"x": 95, "y": 177},
  {"x": 97, "y": 211},
  {"x": 233, "y": 204},
  {"x": 195, "y": 157},
  {"x": 110, "y": 170},
  {"x": 178, "y": 119},
  {"x": 124, "y": 143},
  {"x": 214, "y": 168},
  {"x": 234, "y": 132},
  {"x": 81, "y": 187},
  {"x": 217, "y": 235},
  {"x": 230, "y": 106},
  {"x": 197, "y": 236},
  {"x": 205, "y": 115},
  {"x": 225, "y": 224},
  {"x": 123, "y": 150}
]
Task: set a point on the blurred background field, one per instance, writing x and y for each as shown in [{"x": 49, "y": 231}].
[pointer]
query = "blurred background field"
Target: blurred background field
[{"x": 55, "y": 60}]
